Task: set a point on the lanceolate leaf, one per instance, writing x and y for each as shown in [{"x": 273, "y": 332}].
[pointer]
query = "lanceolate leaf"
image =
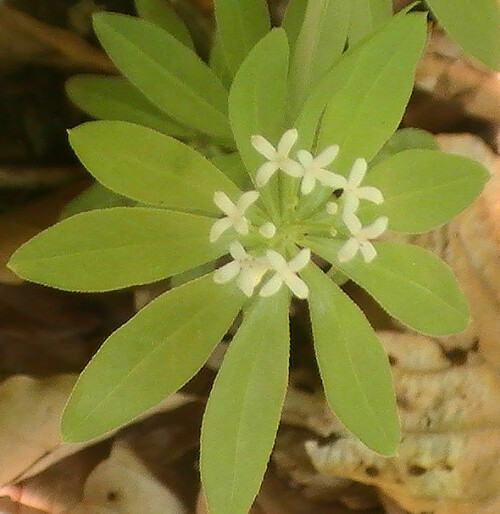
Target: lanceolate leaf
[
  {"x": 161, "y": 13},
  {"x": 410, "y": 283},
  {"x": 150, "y": 357},
  {"x": 149, "y": 167},
  {"x": 406, "y": 139},
  {"x": 424, "y": 188},
  {"x": 368, "y": 60},
  {"x": 243, "y": 411},
  {"x": 257, "y": 103},
  {"x": 95, "y": 197},
  {"x": 109, "y": 249},
  {"x": 366, "y": 17},
  {"x": 293, "y": 19},
  {"x": 474, "y": 25},
  {"x": 362, "y": 116},
  {"x": 232, "y": 166},
  {"x": 353, "y": 365},
  {"x": 320, "y": 42},
  {"x": 241, "y": 24},
  {"x": 218, "y": 64},
  {"x": 167, "y": 72},
  {"x": 114, "y": 98}
]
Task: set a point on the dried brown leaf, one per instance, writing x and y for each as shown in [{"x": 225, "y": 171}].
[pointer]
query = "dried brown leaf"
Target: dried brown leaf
[{"x": 123, "y": 485}]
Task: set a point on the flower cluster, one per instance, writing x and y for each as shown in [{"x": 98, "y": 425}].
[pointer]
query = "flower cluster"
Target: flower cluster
[{"x": 249, "y": 270}]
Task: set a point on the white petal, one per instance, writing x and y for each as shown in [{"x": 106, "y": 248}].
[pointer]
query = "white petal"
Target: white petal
[
  {"x": 264, "y": 147},
  {"x": 268, "y": 230},
  {"x": 351, "y": 203},
  {"x": 367, "y": 251},
  {"x": 308, "y": 183},
  {"x": 241, "y": 226},
  {"x": 287, "y": 141},
  {"x": 276, "y": 261},
  {"x": 272, "y": 286},
  {"x": 297, "y": 286},
  {"x": 376, "y": 229},
  {"x": 224, "y": 203},
  {"x": 327, "y": 156},
  {"x": 352, "y": 223},
  {"x": 292, "y": 168},
  {"x": 238, "y": 253},
  {"x": 265, "y": 172},
  {"x": 218, "y": 228},
  {"x": 358, "y": 171},
  {"x": 330, "y": 179},
  {"x": 246, "y": 200},
  {"x": 246, "y": 281},
  {"x": 372, "y": 194},
  {"x": 305, "y": 158},
  {"x": 348, "y": 251},
  {"x": 227, "y": 272},
  {"x": 300, "y": 261},
  {"x": 332, "y": 208}
]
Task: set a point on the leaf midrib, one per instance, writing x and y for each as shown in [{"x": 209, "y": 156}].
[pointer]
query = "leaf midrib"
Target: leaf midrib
[
  {"x": 141, "y": 362},
  {"x": 182, "y": 85},
  {"x": 353, "y": 276}
]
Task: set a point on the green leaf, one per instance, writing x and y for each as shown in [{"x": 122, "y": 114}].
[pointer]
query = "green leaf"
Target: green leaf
[
  {"x": 232, "y": 166},
  {"x": 370, "y": 93},
  {"x": 293, "y": 20},
  {"x": 367, "y": 16},
  {"x": 218, "y": 63},
  {"x": 320, "y": 42},
  {"x": 364, "y": 63},
  {"x": 114, "y": 98},
  {"x": 243, "y": 411},
  {"x": 406, "y": 139},
  {"x": 424, "y": 189},
  {"x": 362, "y": 116},
  {"x": 474, "y": 25},
  {"x": 110, "y": 249},
  {"x": 168, "y": 73},
  {"x": 240, "y": 24},
  {"x": 353, "y": 365},
  {"x": 161, "y": 13},
  {"x": 94, "y": 197},
  {"x": 149, "y": 167},
  {"x": 410, "y": 283},
  {"x": 150, "y": 357},
  {"x": 257, "y": 105}
]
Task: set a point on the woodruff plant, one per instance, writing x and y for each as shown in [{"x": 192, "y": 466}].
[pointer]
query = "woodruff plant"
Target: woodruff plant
[{"x": 293, "y": 132}]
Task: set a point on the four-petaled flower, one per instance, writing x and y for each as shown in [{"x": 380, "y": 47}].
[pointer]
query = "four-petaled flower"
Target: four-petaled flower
[
  {"x": 314, "y": 169},
  {"x": 247, "y": 270},
  {"x": 235, "y": 213},
  {"x": 286, "y": 272},
  {"x": 360, "y": 240},
  {"x": 277, "y": 158},
  {"x": 353, "y": 193}
]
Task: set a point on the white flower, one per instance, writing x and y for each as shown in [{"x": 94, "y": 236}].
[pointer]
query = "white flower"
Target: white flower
[
  {"x": 314, "y": 168},
  {"x": 353, "y": 193},
  {"x": 247, "y": 270},
  {"x": 359, "y": 242},
  {"x": 277, "y": 158},
  {"x": 235, "y": 213},
  {"x": 287, "y": 273},
  {"x": 268, "y": 230}
]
